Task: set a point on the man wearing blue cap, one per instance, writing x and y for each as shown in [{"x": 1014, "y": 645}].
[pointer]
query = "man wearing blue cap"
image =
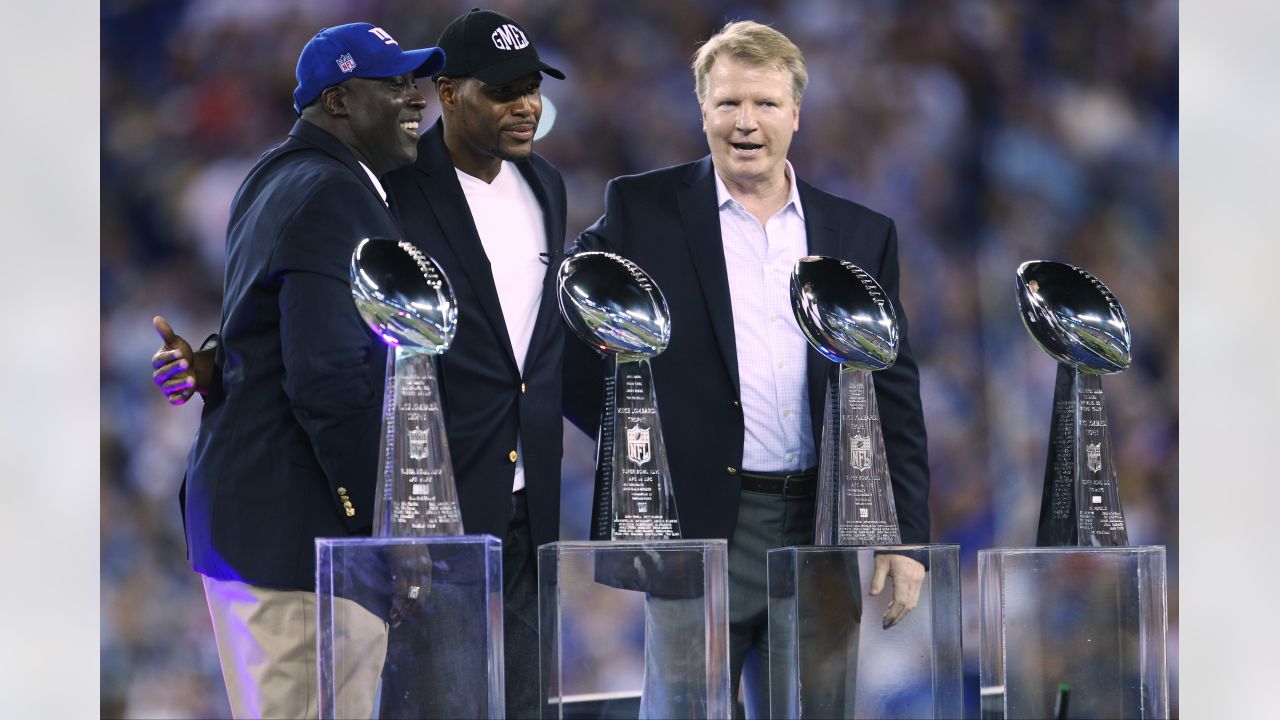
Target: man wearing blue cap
[
  {"x": 492, "y": 213},
  {"x": 287, "y": 439}
]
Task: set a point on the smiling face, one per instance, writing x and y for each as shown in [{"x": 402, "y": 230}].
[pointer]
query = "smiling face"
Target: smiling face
[
  {"x": 383, "y": 116},
  {"x": 486, "y": 124},
  {"x": 749, "y": 116}
]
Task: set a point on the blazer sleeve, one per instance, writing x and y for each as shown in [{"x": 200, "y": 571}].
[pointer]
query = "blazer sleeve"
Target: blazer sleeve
[
  {"x": 328, "y": 353},
  {"x": 583, "y": 366},
  {"x": 902, "y": 416}
]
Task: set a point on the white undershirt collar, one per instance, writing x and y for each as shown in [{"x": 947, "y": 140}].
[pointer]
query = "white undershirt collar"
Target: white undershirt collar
[{"x": 376, "y": 185}]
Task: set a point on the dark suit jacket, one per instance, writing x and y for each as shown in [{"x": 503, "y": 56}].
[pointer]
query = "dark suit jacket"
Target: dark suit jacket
[
  {"x": 298, "y": 410},
  {"x": 667, "y": 221},
  {"x": 488, "y": 402}
]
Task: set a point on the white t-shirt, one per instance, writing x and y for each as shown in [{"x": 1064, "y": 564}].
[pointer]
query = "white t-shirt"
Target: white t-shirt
[{"x": 510, "y": 224}]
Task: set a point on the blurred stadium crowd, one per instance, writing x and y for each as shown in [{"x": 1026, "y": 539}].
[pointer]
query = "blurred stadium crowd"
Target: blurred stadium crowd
[{"x": 993, "y": 132}]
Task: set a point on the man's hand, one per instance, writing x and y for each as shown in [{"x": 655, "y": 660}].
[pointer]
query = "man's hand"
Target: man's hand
[
  {"x": 177, "y": 370},
  {"x": 908, "y": 576}
]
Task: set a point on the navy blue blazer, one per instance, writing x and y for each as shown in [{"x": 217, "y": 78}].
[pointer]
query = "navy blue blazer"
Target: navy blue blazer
[
  {"x": 488, "y": 402},
  {"x": 667, "y": 221},
  {"x": 297, "y": 413}
]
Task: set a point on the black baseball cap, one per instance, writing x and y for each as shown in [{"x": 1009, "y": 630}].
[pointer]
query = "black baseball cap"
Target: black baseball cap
[{"x": 489, "y": 47}]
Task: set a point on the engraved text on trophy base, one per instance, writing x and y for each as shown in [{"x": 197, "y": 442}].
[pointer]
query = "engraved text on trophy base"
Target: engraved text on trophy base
[{"x": 645, "y": 528}]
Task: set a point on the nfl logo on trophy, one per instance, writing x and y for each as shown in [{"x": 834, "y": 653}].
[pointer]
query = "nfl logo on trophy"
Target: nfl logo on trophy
[
  {"x": 1094, "y": 453},
  {"x": 638, "y": 445},
  {"x": 419, "y": 448},
  {"x": 860, "y": 453}
]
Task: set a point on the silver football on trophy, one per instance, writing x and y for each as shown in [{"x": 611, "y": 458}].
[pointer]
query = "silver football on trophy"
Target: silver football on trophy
[
  {"x": 1073, "y": 317},
  {"x": 403, "y": 295},
  {"x": 613, "y": 305},
  {"x": 844, "y": 312}
]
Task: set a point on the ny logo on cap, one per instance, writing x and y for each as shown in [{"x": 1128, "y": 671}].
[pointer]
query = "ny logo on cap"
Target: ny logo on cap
[
  {"x": 509, "y": 37},
  {"x": 384, "y": 36}
]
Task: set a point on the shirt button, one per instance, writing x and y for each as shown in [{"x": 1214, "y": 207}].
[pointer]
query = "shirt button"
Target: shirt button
[
  {"x": 522, "y": 388},
  {"x": 732, "y": 470},
  {"x": 786, "y": 413},
  {"x": 781, "y": 364},
  {"x": 512, "y": 456},
  {"x": 351, "y": 512}
]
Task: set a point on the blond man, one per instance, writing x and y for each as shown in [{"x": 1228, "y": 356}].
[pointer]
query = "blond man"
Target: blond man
[{"x": 740, "y": 391}]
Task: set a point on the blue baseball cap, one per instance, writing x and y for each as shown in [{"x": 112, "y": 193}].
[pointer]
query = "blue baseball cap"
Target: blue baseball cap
[{"x": 356, "y": 50}]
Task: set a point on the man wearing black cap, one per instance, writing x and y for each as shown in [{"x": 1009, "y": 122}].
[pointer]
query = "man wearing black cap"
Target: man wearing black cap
[
  {"x": 492, "y": 213},
  {"x": 288, "y": 436}
]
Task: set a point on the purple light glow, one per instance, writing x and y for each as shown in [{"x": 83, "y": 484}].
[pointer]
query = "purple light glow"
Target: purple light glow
[{"x": 390, "y": 340}]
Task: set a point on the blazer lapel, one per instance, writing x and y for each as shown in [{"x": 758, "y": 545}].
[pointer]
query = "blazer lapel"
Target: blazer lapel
[
  {"x": 438, "y": 181},
  {"x": 823, "y": 239},
  {"x": 701, "y": 219}
]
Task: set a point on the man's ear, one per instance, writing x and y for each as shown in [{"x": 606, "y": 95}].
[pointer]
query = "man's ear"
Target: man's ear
[
  {"x": 447, "y": 90},
  {"x": 334, "y": 101}
]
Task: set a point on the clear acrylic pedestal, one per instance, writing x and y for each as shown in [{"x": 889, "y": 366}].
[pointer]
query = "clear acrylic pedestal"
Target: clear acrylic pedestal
[
  {"x": 410, "y": 627},
  {"x": 634, "y": 629},
  {"x": 1082, "y": 625},
  {"x": 823, "y": 663}
]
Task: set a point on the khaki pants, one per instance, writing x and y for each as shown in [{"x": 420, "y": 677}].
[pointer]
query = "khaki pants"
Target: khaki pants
[{"x": 267, "y": 648}]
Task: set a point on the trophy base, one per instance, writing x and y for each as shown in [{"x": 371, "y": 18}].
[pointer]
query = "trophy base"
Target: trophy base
[
  {"x": 825, "y": 662},
  {"x": 1091, "y": 619},
  {"x": 855, "y": 495},
  {"x": 634, "y": 629},
  {"x": 417, "y": 496},
  {"x": 432, "y": 621},
  {"x": 1080, "y": 505}
]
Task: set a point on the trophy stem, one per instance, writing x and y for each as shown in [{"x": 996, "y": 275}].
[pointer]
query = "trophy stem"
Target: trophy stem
[
  {"x": 1081, "y": 501},
  {"x": 1057, "y": 526},
  {"x": 826, "y": 524},
  {"x": 631, "y": 468},
  {"x": 1099, "y": 517},
  {"x": 382, "y": 502},
  {"x": 855, "y": 495},
  {"x": 601, "y": 507},
  {"x": 416, "y": 496}
]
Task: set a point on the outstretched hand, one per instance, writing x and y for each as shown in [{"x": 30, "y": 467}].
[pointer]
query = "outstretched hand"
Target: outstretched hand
[{"x": 908, "y": 576}]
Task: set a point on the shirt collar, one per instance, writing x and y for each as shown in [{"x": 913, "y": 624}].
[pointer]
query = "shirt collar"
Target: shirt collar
[
  {"x": 793, "y": 197},
  {"x": 376, "y": 185}
]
